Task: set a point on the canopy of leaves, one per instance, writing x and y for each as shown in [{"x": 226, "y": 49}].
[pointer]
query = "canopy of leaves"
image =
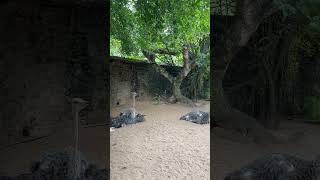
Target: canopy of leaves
[{"x": 157, "y": 24}]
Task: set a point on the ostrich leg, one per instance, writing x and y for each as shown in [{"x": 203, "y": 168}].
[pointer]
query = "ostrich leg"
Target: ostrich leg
[
  {"x": 78, "y": 104},
  {"x": 134, "y": 94}
]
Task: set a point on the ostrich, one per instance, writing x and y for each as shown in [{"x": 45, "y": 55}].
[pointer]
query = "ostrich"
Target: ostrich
[
  {"x": 198, "y": 117},
  {"x": 128, "y": 116},
  {"x": 278, "y": 167},
  {"x": 60, "y": 165}
]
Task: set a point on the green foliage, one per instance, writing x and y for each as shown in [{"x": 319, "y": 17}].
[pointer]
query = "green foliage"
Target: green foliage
[
  {"x": 223, "y": 7},
  {"x": 138, "y": 25},
  {"x": 308, "y": 8},
  {"x": 199, "y": 81},
  {"x": 115, "y": 46},
  {"x": 167, "y": 24},
  {"x": 312, "y": 107},
  {"x": 122, "y": 24},
  {"x": 156, "y": 99},
  {"x": 307, "y": 42}
]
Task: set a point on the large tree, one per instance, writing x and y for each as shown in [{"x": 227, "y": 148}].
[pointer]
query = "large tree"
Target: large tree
[
  {"x": 248, "y": 16},
  {"x": 174, "y": 32}
]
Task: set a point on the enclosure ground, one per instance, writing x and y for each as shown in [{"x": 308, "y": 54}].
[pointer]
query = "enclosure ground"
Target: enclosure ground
[
  {"x": 162, "y": 147},
  {"x": 229, "y": 156},
  {"x": 17, "y": 159}
]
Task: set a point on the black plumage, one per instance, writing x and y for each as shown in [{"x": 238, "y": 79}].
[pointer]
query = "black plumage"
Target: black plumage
[
  {"x": 60, "y": 166},
  {"x": 116, "y": 122},
  {"x": 129, "y": 116},
  {"x": 277, "y": 167},
  {"x": 198, "y": 117}
]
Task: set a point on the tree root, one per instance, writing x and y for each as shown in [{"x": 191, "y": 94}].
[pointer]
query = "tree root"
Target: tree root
[{"x": 181, "y": 99}]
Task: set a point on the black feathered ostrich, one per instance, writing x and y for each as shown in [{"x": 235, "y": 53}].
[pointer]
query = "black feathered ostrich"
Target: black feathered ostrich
[
  {"x": 278, "y": 166},
  {"x": 196, "y": 116},
  {"x": 60, "y": 165},
  {"x": 128, "y": 116}
]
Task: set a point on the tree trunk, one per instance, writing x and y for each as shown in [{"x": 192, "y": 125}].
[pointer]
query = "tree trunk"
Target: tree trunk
[
  {"x": 250, "y": 14},
  {"x": 188, "y": 65},
  {"x": 176, "y": 92},
  {"x": 273, "y": 71},
  {"x": 229, "y": 118},
  {"x": 271, "y": 120},
  {"x": 177, "y": 96}
]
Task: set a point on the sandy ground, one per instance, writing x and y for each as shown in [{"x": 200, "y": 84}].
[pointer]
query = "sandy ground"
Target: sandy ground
[
  {"x": 229, "y": 156},
  {"x": 17, "y": 159},
  {"x": 162, "y": 147}
]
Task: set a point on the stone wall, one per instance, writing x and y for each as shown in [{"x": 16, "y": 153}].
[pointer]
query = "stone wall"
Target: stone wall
[
  {"x": 127, "y": 76},
  {"x": 41, "y": 67}
]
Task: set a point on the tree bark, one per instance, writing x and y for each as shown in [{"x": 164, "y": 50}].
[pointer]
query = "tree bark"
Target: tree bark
[
  {"x": 229, "y": 118},
  {"x": 176, "y": 82},
  {"x": 250, "y": 14},
  {"x": 177, "y": 95},
  {"x": 273, "y": 69}
]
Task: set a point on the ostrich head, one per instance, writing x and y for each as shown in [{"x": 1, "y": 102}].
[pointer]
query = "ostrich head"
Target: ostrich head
[{"x": 79, "y": 103}]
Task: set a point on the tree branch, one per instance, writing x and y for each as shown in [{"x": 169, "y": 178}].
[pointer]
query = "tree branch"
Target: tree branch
[
  {"x": 150, "y": 56},
  {"x": 249, "y": 15},
  {"x": 152, "y": 59},
  {"x": 165, "y": 51},
  {"x": 188, "y": 64}
]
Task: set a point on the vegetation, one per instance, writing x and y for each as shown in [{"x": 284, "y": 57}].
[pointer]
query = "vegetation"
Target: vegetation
[
  {"x": 174, "y": 33},
  {"x": 277, "y": 74},
  {"x": 271, "y": 36},
  {"x": 311, "y": 107}
]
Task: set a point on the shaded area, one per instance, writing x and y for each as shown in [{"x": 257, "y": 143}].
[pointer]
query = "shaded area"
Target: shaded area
[
  {"x": 51, "y": 52},
  {"x": 277, "y": 166},
  {"x": 231, "y": 151},
  {"x": 60, "y": 165}
]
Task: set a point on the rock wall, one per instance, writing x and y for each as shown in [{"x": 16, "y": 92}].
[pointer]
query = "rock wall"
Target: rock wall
[{"x": 127, "y": 76}]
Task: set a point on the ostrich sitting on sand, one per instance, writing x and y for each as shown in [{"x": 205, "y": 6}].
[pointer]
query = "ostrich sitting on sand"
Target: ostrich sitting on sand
[
  {"x": 129, "y": 116},
  {"x": 198, "y": 117},
  {"x": 278, "y": 167},
  {"x": 61, "y": 166}
]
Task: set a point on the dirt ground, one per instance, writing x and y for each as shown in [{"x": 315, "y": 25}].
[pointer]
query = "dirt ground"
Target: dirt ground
[
  {"x": 229, "y": 155},
  {"x": 17, "y": 159},
  {"x": 162, "y": 147},
  {"x": 165, "y": 148}
]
